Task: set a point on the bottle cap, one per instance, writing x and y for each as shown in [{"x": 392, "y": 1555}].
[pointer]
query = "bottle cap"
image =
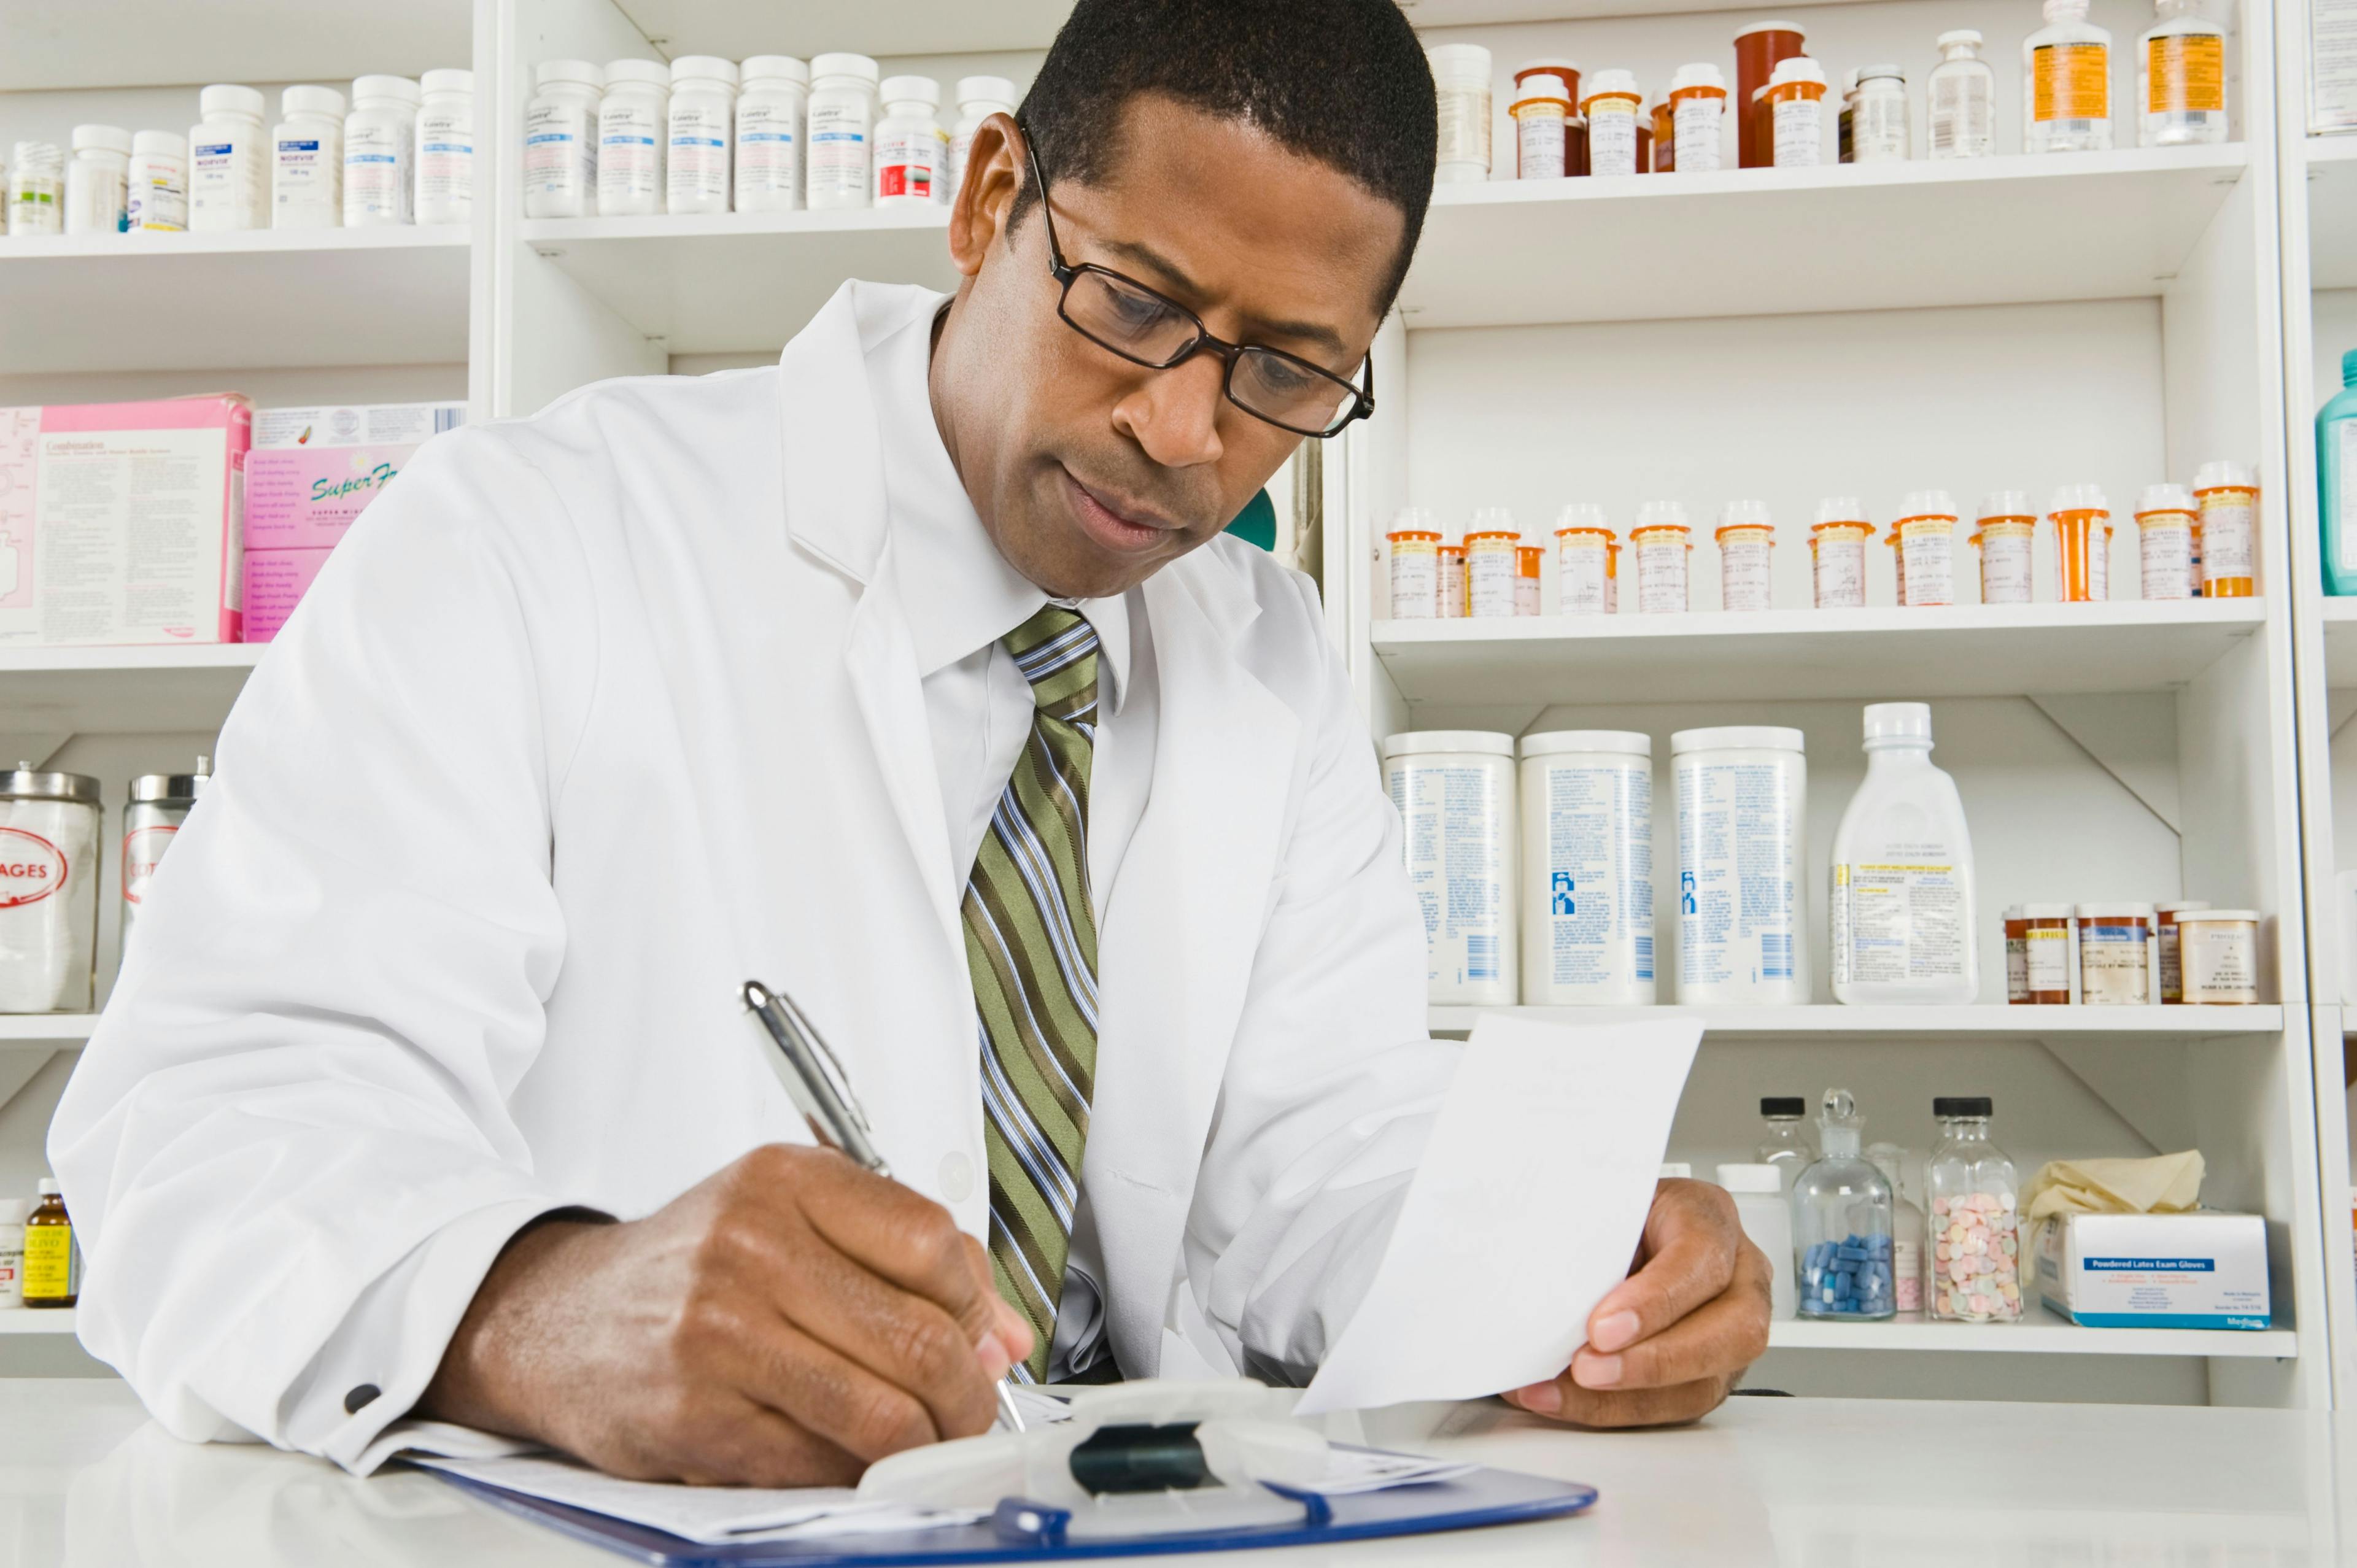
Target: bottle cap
[
  {"x": 1492, "y": 520},
  {"x": 446, "y": 79},
  {"x": 1618, "y": 742},
  {"x": 1783, "y": 1105},
  {"x": 573, "y": 70},
  {"x": 1797, "y": 68},
  {"x": 1961, "y": 38},
  {"x": 1660, "y": 514},
  {"x": 1427, "y": 741},
  {"x": 308, "y": 100},
  {"x": 1897, "y": 720},
  {"x": 1751, "y": 1178},
  {"x": 1947, "y": 1105},
  {"x": 1881, "y": 72},
  {"x": 1792, "y": 27},
  {"x": 1459, "y": 65},
  {"x": 227, "y": 98},
  {"x": 399, "y": 89},
  {"x": 2006, "y": 503},
  {"x": 2221, "y": 474},
  {"x": 1738, "y": 737},
  {"x": 49, "y": 1187},
  {"x": 1612, "y": 81},
  {"x": 1414, "y": 519},
  {"x": 984, "y": 90},
  {"x": 859, "y": 66},
  {"x": 921, "y": 90},
  {"x": 1701, "y": 73},
  {"x": 1840, "y": 1127},
  {"x": 2066, "y": 10},
  {"x": 1928, "y": 503},
  {"x": 2080, "y": 498},
  {"x": 1581, "y": 514},
  {"x": 2165, "y": 498},
  {"x": 651, "y": 72},
  {"x": 1745, "y": 514},
  {"x": 773, "y": 68},
  {"x": 2194, "y": 916},
  {"x": 703, "y": 67},
  {"x": 2348, "y": 367},
  {"x": 1840, "y": 509},
  {"x": 167, "y": 142},
  {"x": 102, "y": 138}
]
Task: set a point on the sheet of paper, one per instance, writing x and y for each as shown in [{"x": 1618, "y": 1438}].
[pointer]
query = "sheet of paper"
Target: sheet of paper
[
  {"x": 1352, "y": 1470},
  {"x": 1526, "y": 1209},
  {"x": 709, "y": 1515}
]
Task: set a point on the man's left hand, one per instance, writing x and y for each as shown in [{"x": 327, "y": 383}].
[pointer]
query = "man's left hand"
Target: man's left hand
[{"x": 1667, "y": 1344}]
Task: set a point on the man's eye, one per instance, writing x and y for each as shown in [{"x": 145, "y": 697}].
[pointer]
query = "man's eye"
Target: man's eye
[{"x": 1135, "y": 311}]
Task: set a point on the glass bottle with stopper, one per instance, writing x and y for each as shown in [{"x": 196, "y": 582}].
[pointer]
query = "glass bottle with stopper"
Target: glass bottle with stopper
[{"x": 1842, "y": 1222}]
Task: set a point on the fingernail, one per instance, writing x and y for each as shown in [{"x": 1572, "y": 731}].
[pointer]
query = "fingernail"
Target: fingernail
[
  {"x": 1595, "y": 1371},
  {"x": 1539, "y": 1399},
  {"x": 1615, "y": 1332},
  {"x": 994, "y": 1357}
]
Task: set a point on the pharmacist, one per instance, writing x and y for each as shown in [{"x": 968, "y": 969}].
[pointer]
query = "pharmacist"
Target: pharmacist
[{"x": 913, "y": 678}]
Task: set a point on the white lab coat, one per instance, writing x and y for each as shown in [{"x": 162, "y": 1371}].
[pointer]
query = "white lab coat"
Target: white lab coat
[{"x": 598, "y": 715}]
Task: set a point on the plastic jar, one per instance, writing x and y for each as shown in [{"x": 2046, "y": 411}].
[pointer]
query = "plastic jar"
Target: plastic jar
[
  {"x": 1976, "y": 1264},
  {"x": 1925, "y": 538},
  {"x": 1746, "y": 556},
  {"x": 1460, "y": 82},
  {"x": 1766, "y": 1216},
  {"x": 771, "y": 112},
  {"x": 37, "y": 189},
  {"x": 2066, "y": 83},
  {"x": 2219, "y": 949},
  {"x": 1880, "y": 130},
  {"x": 837, "y": 168},
  {"x": 228, "y": 174},
  {"x": 1796, "y": 113},
  {"x": 1582, "y": 560},
  {"x": 1542, "y": 111},
  {"x": 1699, "y": 117},
  {"x": 1742, "y": 797},
  {"x": 1841, "y": 1211},
  {"x": 2046, "y": 933},
  {"x": 2006, "y": 539},
  {"x": 307, "y": 159},
  {"x": 1662, "y": 543},
  {"x": 2115, "y": 954},
  {"x": 444, "y": 160},
  {"x": 912, "y": 151},
  {"x": 2166, "y": 515},
  {"x": 2229, "y": 494},
  {"x": 560, "y": 140},
  {"x": 978, "y": 97},
  {"x": 2181, "y": 78},
  {"x": 1759, "y": 49},
  {"x": 159, "y": 803},
  {"x": 2016, "y": 954},
  {"x": 1961, "y": 98},
  {"x": 1491, "y": 562},
  {"x": 1666, "y": 137},
  {"x": 2083, "y": 534},
  {"x": 1455, "y": 793},
  {"x": 1414, "y": 562},
  {"x": 1837, "y": 542},
  {"x": 1449, "y": 564},
  {"x": 96, "y": 179},
  {"x": 2165, "y": 945},
  {"x": 380, "y": 141},
  {"x": 1613, "y": 109},
  {"x": 634, "y": 131},
  {"x": 702, "y": 129},
  {"x": 49, "y": 891},
  {"x": 1588, "y": 868},
  {"x": 155, "y": 197}
]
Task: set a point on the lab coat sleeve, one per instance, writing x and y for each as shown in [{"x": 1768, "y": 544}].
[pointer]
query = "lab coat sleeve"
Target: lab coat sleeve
[
  {"x": 1331, "y": 1081},
  {"x": 287, "y": 1148}
]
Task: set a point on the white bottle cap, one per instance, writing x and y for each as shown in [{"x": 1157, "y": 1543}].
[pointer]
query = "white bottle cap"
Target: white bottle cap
[
  {"x": 1459, "y": 65},
  {"x": 774, "y": 68},
  {"x": 1426, "y": 742},
  {"x": 399, "y": 89},
  {"x": 921, "y": 90},
  {"x": 1879, "y": 73},
  {"x": 1660, "y": 514},
  {"x": 1493, "y": 520},
  {"x": 2211, "y": 475},
  {"x": 859, "y": 66},
  {"x": 984, "y": 90},
  {"x": 1619, "y": 741},
  {"x": 1414, "y": 519},
  {"x": 227, "y": 98},
  {"x": 169, "y": 142},
  {"x": 1699, "y": 74},
  {"x": 2121, "y": 912},
  {"x": 2006, "y": 503},
  {"x": 2066, "y": 10},
  {"x": 2079, "y": 497},
  {"x": 309, "y": 100},
  {"x": 651, "y": 72},
  {"x": 448, "y": 78},
  {"x": 1897, "y": 720},
  {"x": 1797, "y": 68},
  {"x": 1738, "y": 737},
  {"x": 1581, "y": 514},
  {"x": 1928, "y": 503},
  {"x": 1745, "y": 514},
  {"x": 2166, "y": 497},
  {"x": 703, "y": 67},
  {"x": 13, "y": 1210},
  {"x": 1963, "y": 38},
  {"x": 48, "y": 1187},
  {"x": 1751, "y": 1178},
  {"x": 1849, "y": 83},
  {"x": 575, "y": 71},
  {"x": 1840, "y": 509},
  {"x": 1612, "y": 79},
  {"x": 103, "y": 138},
  {"x": 1792, "y": 27}
]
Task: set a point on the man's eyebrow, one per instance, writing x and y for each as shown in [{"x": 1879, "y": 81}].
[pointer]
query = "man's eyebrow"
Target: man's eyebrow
[{"x": 1177, "y": 283}]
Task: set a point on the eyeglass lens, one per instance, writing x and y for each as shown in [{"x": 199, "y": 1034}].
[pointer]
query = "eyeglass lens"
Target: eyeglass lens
[{"x": 1150, "y": 329}]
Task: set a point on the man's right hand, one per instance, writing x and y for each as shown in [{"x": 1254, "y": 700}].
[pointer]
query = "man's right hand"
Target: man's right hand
[{"x": 785, "y": 1323}]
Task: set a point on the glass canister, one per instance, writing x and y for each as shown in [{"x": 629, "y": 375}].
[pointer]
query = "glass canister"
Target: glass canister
[
  {"x": 49, "y": 891},
  {"x": 1842, "y": 1222},
  {"x": 159, "y": 803},
  {"x": 1975, "y": 1265}
]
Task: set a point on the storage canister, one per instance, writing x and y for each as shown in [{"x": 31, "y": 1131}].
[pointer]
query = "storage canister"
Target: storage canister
[
  {"x": 1758, "y": 49},
  {"x": 1742, "y": 798},
  {"x": 2114, "y": 953},
  {"x": 159, "y": 803},
  {"x": 2219, "y": 953},
  {"x": 1588, "y": 868},
  {"x": 1454, "y": 792},
  {"x": 1541, "y": 109},
  {"x": 2083, "y": 543},
  {"x": 2228, "y": 494},
  {"x": 48, "y": 890}
]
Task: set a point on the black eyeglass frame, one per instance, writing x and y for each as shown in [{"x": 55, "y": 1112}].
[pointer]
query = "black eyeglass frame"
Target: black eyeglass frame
[{"x": 1363, "y": 394}]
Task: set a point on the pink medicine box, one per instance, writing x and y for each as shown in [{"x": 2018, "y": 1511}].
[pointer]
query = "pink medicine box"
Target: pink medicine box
[{"x": 304, "y": 497}]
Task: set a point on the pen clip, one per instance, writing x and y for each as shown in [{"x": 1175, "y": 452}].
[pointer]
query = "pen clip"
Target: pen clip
[{"x": 800, "y": 1042}]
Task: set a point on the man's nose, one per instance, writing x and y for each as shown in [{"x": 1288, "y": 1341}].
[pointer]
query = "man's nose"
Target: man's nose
[{"x": 1174, "y": 414}]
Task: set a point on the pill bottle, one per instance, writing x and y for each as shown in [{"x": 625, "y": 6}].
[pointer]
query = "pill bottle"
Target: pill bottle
[
  {"x": 229, "y": 171},
  {"x": 634, "y": 130},
  {"x": 51, "y": 1266},
  {"x": 1451, "y": 559},
  {"x": 1760, "y": 48},
  {"x": 380, "y": 141},
  {"x": 2006, "y": 539},
  {"x": 1582, "y": 560},
  {"x": 978, "y": 97},
  {"x": 443, "y": 161},
  {"x": 838, "y": 169},
  {"x": 155, "y": 197},
  {"x": 1454, "y": 792},
  {"x": 1698, "y": 117},
  {"x": 1747, "y": 551},
  {"x": 1961, "y": 98},
  {"x": 307, "y": 154},
  {"x": 1530, "y": 562},
  {"x": 2219, "y": 949},
  {"x": 1742, "y": 802},
  {"x": 1415, "y": 566},
  {"x": 2180, "y": 77},
  {"x": 1976, "y": 1264},
  {"x": 2082, "y": 520},
  {"x": 1662, "y": 542},
  {"x": 1786, "y": 1146},
  {"x": 1908, "y": 1230},
  {"x": 1845, "y": 120},
  {"x": 1880, "y": 126},
  {"x": 96, "y": 179},
  {"x": 1490, "y": 544},
  {"x": 2165, "y": 517},
  {"x": 2166, "y": 954},
  {"x": 1613, "y": 110},
  {"x": 2048, "y": 940},
  {"x": 2066, "y": 83},
  {"x": 1767, "y": 1219},
  {"x": 1588, "y": 868},
  {"x": 1460, "y": 82},
  {"x": 2116, "y": 954},
  {"x": 1795, "y": 97},
  {"x": 1837, "y": 542},
  {"x": 1564, "y": 71},
  {"x": 912, "y": 151},
  {"x": 1842, "y": 1212},
  {"x": 1542, "y": 114},
  {"x": 2016, "y": 927},
  {"x": 1926, "y": 535},
  {"x": 771, "y": 112},
  {"x": 48, "y": 890},
  {"x": 36, "y": 189},
  {"x": 1613, "y": 578},
  {"x": 701, "y": 122},
  {"x": 13, "y": 1212},
  {"x": 560, "y": 140},
  {"x": 159, "y": 803},
  {"x": 2229, "y": 496}
]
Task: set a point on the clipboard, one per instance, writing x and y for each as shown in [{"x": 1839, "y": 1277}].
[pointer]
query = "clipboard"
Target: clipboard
[{"x": 1026, "y": 1532}]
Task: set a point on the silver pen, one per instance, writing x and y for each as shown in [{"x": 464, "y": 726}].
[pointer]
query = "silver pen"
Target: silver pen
[{"x": 822, "y": 1093}]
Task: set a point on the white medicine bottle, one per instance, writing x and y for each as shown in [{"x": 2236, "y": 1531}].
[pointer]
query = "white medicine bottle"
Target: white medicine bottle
[
  {"x": 2180, "y": 77},
  {"x": 978, "y": 97},
  {"x": 1961, "y": 119},
  {"x": 37, "y": 189},
  {"x": 771, "y": 112},
  {"x": 703, "y": 131},
  {"x": 1881, "y": 129},
  {"x": 560, "y": 140},
  {"x": 1902, "y": 899},
  {"x": 912, "y": 151},
  {"x": 445, "y": 161},
  {"x": 842, "y": 122},
  {"x": 157, "y": 197},
  {"x": 229, "y": 174},
  {"x": 379, "y": 148},
  {"x": 96, "y": 179},
  {"x": 307, "y": 159},
  {"x": 2066, "y": 83},
  {"x": 633, "y": 137}
]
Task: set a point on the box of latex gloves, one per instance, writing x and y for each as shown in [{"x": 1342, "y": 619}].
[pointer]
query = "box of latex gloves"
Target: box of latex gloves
[{"x": 2196, "y": 1270}]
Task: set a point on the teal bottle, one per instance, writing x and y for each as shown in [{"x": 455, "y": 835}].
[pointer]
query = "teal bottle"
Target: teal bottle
[{"x": 2336, "y": 479}]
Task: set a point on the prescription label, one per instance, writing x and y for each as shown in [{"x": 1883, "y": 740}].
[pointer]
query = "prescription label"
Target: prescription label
[
  {"x": 48, "y": 1262},
  {"x": 2070, "y": 82},
  {"x": 1611, "y": 136},
  {"x": 1800, "y": 124},
  {"x": 1538, "y": 145},
  {"x": 2111, "y": 965},
  {"x": 2186, "y": 72},
  {"x": 2228, "y": 525},
  {"x": 2047, "y": 958},
  {"x": 1927, "y": 561},
  {"x": 1897, "y": 924}
]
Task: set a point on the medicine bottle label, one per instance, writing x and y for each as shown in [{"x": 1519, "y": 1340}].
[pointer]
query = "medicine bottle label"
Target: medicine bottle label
[
  {"x": 2017, "y": 965},
  {"x": 697, "y": 173},
  {"x": 2227, "y": 564},
  {"x": 1878, "y": 131},
  {"x": 1897, "y": 924},
  {"x": 1800, "y": 133},
  {"x": 2112, "y": 964},
  {"x": 908, "y": 162},
  {"x": 306, "y": 180},
  {"x": 559, "y": 159},
  {"x": 1490, "y": 581},
  {"x": 225, "y": 181},
  {"x": 1697, "y": 119},
  {"x": 159, "y": 194},
  {"x": 1539, "y": 143},
  {"x": 1840, "y": 571},
  {"x": 1746, "y": 575},
  {"x": 1598, "y": 864},
  {"x": 2007, "y": 558},
  {"x": 2185, "y": 72},
  {"x": 1581, "y": 580},
  {"x": 142, "y": 852},
  {"x": 446, "y": 165},
  {"x": 631, "y": 134},
  {"x": 2166, "y": 559},
  {"x": 1458, "y": 833},
  {"x": 376, "y": 168},
  {"x": 2070, "y": 82},
  {"x": 1452, "y": 585},
  {"x": 1927, "y": 549},
  {"x": 1964, "y": 115},
  {"x": 2167, "y": 939},
  {"x": 2221, "y": 963},
  {"x": 1612, "y": 136},
  {"x": 1464, "y": 125},
  {"x": 769, "y": 150},
  {"x": 1416, "y": 579},
  {"x": 2048, "y": 960},
  {"x": 1738, "y": 905},
  {"x": 838, "y": 146},
  {"x": 48, "y": 1262}
]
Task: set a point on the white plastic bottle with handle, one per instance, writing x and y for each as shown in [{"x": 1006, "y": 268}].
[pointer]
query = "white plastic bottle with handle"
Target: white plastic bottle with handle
[{"x": 1904, "y": 916}]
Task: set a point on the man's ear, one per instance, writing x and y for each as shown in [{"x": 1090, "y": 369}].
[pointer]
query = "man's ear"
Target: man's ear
[{"x": 994, "y": 174}]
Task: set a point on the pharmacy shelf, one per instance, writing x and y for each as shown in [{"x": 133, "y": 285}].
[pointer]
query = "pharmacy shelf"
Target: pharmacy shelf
[
  {"x": 1957, "y": 650},
  {"x": 2043, "y": 1335},
  {"x": 1974, "y": 1021},
  {"x": 231, "y": 302},
  {"x": 120, "y": 691},
  {"x": 738, "y": 280},
  {"x": 2333, "y": 212},
  {"x": 37, "y": 1320},
  {"x": 1764, "y": 241},
  {"x": 46, "y": 1031},
  {"x": 2340, "y": 641}
]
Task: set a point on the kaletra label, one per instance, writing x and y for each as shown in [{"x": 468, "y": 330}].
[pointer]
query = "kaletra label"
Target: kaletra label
[{"x": 31, "y": 868}]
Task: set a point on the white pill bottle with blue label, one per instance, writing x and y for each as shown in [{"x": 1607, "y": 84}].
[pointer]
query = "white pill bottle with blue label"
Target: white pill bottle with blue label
[
  {"x": 1588, "y": 868},
  {"x": 1901, "y": 903},
  {"x": 1454, "y": 792},
  {"x": 1743, "y": 803}
]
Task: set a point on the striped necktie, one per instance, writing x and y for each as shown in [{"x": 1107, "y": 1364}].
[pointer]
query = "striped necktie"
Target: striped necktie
[{"x": 1031, "y": 944}]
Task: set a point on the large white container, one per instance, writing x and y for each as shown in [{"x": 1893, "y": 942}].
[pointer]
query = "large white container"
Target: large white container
[
  {"x": 1902, "y": 903},
  {"x": 229, "y": 171},
  {"x": 697, "y": 173},
  {"x": 1588, "y": 868},
  {"x": 307, "y": 159},
  {"x": 1767, "y": 1218},
  {"x": 444, "y": 171},
  {"x": 560, "y": 140},
  {"x": 379, "y": 151},
  {"x": 838, "y": 164},
  {"x": 1743, "y": 805},
  {"x": 769, "y": 117},
  {"x": 633, "y": 128},
  {"x": 1454, "y": 791}
]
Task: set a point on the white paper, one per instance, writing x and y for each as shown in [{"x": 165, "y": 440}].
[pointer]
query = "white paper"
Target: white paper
[
  {"x": 1349, "y": 1471},
  {"x": 1526, "y": 1209}
]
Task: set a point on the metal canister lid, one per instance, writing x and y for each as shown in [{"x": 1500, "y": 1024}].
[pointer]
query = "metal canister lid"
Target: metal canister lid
[
  {"x": 150, "y": 788},
  {"x": 22, "y": 783}
]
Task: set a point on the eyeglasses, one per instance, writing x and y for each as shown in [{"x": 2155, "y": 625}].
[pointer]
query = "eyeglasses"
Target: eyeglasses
[{"x": 1123, "y": 317}]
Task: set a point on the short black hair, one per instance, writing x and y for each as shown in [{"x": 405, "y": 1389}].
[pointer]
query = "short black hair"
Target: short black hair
[{"x": 1343, "y": 81}]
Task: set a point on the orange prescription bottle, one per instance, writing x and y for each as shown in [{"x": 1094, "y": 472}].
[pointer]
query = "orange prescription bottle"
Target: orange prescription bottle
[
  {"x": 1662, "y": 541},
  {"x": 1760, "y": 48},
  {"x": 1746, "y": 544},
  {"x": 1614, "y": 138},
  {"x": 1542, "y": 111},
  {"x": 1925, "y": 535},
  {"x": 1612, "y": 578},
  {"x": 1489, "y": 563},
  {"x": 1699, "y": 117},
  {"x": 1452, "y": 581},
  {"x": 2006, "y": 539},
  {"x": 1796, "y": 113},
  {"x": 1583, "y": 560},
  {"x": 2083, "y": 543},
  {"x": 1415, "y": 566},
  {"x": 1665, "y": 139},
  {"x": 2229, "y": 494},
  {"x": 2166, "y": 517},
  {"x": 1529, "y": 559},
  {"x": 1837, "y": 543}
]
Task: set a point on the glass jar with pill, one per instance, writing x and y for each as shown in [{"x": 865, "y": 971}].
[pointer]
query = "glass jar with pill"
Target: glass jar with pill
[
  {"x": 1976, "y": 1263},
  {"x": 1842, "y": 1214}
]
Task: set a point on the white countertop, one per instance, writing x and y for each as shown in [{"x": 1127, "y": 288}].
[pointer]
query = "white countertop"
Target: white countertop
[{"x": 85, "y": 1481}]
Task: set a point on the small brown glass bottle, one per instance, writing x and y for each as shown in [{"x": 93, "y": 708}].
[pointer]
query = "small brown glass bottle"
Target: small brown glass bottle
[{"x": 50, "y": 1252}]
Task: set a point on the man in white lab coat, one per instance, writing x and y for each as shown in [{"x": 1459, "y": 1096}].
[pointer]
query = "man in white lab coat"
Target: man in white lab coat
[{"x": 913, "y": 678}]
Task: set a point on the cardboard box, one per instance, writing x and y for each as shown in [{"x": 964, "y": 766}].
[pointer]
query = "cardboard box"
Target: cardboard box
[
  {"x": 2203, "y": 1269},
  {"x": 275, "y": 581},
  {"x": 354, "y": 425},
  {"x": 119, "y": 524},
  {"x": 304, "y": 497}
]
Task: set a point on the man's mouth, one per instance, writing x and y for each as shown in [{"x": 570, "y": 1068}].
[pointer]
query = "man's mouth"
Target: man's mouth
[{"x": 1115, "y": 522}]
